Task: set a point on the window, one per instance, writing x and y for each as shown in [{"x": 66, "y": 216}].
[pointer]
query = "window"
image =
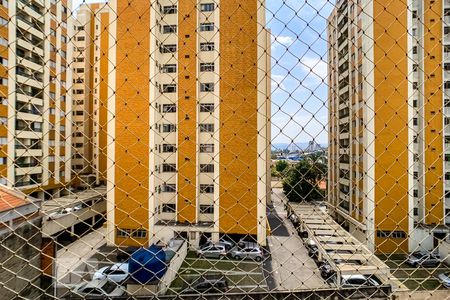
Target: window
[
  {"x": 169, "y": 29},
  {"x": 3, "y": 81},
  {"x": 207, "y": 27},
  {"x": 80, "y": 38},
  {"x": 207, "y": 87},
  {"x": 3, "y": 160},
  {"x": 207, "y": 7},
  {"x": 4, "y": 3},
  {"x": 167, "y": 148},
  {"x": 207, "y": 67},
  {"x": 3, "y": 42},
  {"x": 207, "y": 209},
  {"x": 207, "y": 107},
  {"x": 168, "y": 208},
  {"x": 391, "y": 234},
  {"x": 206, "y": 46},
  {"x": 169, "y": 108},
  {"x": 168, "y": 48},
  {"x": 207, "y": 188},
  {"x": 415, "y": 121},
  {"x": 169, "y": 168},
  {"x": 63, "y": 39},
  {"x": 3, "y": 141},
  {"x": 4, "y": 61},
  {"x": 416, "y": 211},
  {"x": 206, "y": 148},
  {"x": 170, "y": 68},
  {"x": 168, "y": 188},
  {"x": 168, "y": 10},
  {"x": 415, "y": 50},
  {"x": 206, "y": 168},
  {"x": 169, "y": 88},
  {"x": 3, "y": 22},
  {"x": 135, "y": 233},
  {"x": 169, "y": 128},
  {"x": 206, "y": 127}
]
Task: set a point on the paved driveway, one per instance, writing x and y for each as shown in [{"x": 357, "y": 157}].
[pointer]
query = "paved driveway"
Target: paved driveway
[{"x": 292, "y": 268}]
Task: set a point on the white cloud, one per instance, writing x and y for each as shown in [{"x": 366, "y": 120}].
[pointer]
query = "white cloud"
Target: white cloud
[
  {"x": 282, "y": 40},
  {"x": 314, "y": 67},
  {"x": 277, "y": 82}
]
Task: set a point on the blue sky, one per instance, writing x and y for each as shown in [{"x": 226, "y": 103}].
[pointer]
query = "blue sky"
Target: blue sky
[{"x": 299, "y": 52}]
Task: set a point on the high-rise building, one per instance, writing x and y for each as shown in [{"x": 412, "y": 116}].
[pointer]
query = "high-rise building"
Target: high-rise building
[
  {"x": 188, "y": 120},
  {"x": 35, "y": 120},
  {"x": 90, "y": 92},
  {"x": 389, "y": 176}
]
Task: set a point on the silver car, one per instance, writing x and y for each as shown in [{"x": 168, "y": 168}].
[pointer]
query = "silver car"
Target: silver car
[
  {"x": 359, "y": 280},
  {"x": 444, "y": 278},
  {"x": 423, "y": 258},
  {"x": 212, "y": 251},
  {"x": 249, "y": 251}
]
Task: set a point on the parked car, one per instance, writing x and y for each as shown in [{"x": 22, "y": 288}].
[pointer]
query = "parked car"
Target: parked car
[
  {"x": 424, "y": 259},
  {"x": 311, "y": 246},
  {"x": 116, "y": 273},
  {"x": 99, "y": 288},
  {"x": 249, "y": 251},
  {"x": 326, "y": 271},
  {"x": 294, "y": 219},
  {"x": 357, "y": 280},
  {"x": 207, "y": 284},
  {"x": 224, "y": 242},
  {"x": 64, "y": 211},
  {"x": 444, "y": 278},
  {"x": 212, "y": 251}
]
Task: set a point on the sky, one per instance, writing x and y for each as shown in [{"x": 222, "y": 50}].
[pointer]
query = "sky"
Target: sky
[{"x": 299, "y": 68}]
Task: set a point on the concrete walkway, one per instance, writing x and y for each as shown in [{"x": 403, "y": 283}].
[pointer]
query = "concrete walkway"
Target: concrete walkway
[
  {"x": 292, "y": 268},
  {"x": 69, "y": 258}
]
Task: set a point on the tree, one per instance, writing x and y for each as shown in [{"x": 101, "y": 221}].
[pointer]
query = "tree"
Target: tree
[
  {"x": 303, "y": 179},
  {"x": 281, "y": 166}
]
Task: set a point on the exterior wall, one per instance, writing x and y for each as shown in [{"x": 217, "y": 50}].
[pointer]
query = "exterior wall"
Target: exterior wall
[
  {"x": 240, "y": 114},
  {"x": 238, "y": 159},
  {"x": 433, "y": 127},
  {"x": 187, "y": 112},
  {"x": 391, "y": 105},
  {"x": 101, "y": 99},
  {"x": 39, "y": 130},
  {"x": 131, "y": 193},
  {"x": 21, "y": 255},
  {"x": 91, "y": 93},
  {"x": 396, "y": 157}
]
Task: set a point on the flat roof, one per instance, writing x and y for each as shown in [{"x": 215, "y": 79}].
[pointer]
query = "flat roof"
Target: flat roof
[{"x": 73, "y": 199}]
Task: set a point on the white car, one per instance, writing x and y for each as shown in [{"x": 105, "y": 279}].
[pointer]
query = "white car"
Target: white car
[
  {"x": 99, "y": 288},
  {"x": 116, "y": 273},
  {"x": 64, "y": 211}
]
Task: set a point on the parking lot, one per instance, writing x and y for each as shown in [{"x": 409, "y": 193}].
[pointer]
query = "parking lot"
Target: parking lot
[
  {"x": 241, "y": 275},
  {"x": 415, "y": 278}
]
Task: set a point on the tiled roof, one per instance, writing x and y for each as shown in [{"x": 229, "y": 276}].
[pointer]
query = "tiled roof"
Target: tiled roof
[{"x": 10, "y": 199}]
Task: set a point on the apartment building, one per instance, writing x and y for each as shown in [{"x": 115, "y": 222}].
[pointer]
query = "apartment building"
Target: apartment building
[
  {"x": 188, "y": 129},
  {"x": 34, "y": 125},
  {"x": 389, "y": 165},
  {"x": 90, "y": 91}
]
